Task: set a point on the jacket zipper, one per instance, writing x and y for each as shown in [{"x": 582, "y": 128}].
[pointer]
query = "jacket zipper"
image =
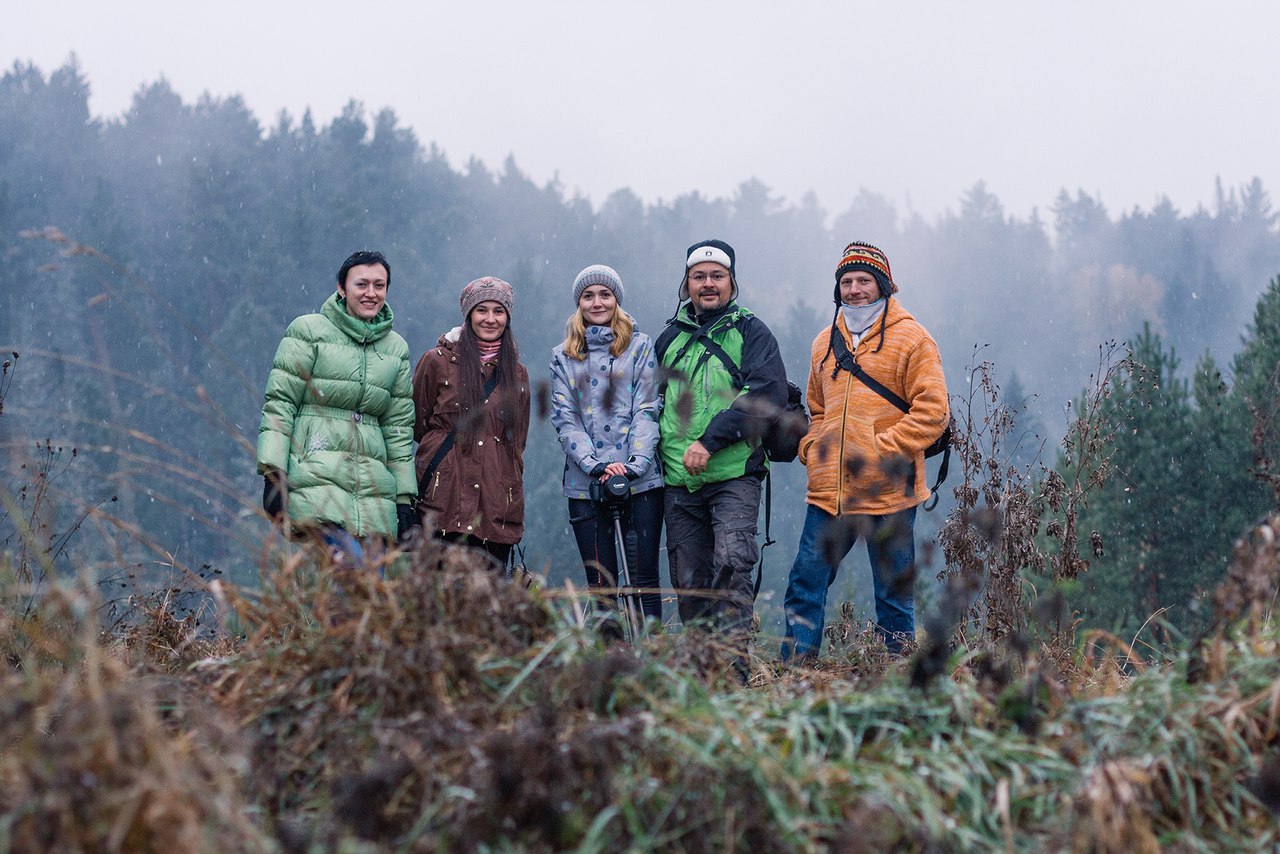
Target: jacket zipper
[
  {"x": 844, "y": 419},
  {"x": 359, "y": 437},
  {"x": 706, "y": 375}
]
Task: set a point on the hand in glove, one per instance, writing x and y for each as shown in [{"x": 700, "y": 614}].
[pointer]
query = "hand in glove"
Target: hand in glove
[
  {"x": 407, "y": 522},
  {"x": 273, "y": 492}
]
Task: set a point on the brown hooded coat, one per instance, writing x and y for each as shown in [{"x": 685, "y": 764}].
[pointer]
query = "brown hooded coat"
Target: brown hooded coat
[{"x": 478, "y": 488}]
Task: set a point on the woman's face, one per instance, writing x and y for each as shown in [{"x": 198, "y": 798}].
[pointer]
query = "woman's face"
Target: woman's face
[
  {"x": 489, "y": 320},
  {"x": 597, "y": 305}
]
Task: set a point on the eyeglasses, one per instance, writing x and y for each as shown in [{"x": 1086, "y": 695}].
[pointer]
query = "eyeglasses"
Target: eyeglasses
[{"x": 699, "y": 278}]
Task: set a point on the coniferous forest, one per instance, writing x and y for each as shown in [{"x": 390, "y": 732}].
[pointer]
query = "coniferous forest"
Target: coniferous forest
[{"x": 1113, "y": 374}]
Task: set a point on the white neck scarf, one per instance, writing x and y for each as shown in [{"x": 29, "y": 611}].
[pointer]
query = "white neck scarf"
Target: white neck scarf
[{"x": 859, "y": 318}]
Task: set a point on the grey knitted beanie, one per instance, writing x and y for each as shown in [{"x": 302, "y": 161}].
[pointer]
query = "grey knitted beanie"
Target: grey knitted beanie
[{"x": 598, "y": 274}]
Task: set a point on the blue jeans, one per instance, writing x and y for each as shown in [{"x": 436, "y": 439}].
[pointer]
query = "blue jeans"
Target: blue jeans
[
  {"x": 824, "y": 542},
  {"x": 344, "y": 548}
]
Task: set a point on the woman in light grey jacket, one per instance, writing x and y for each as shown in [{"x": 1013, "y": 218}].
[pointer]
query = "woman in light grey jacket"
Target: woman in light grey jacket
[{"x": 605, "y": 410}]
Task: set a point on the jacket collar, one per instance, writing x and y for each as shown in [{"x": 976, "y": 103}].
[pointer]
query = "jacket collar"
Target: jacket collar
[
  {"x": 598, "y": 337},
  {"x": 335, "y": 310},
  {"x": 687, "y": 318}
]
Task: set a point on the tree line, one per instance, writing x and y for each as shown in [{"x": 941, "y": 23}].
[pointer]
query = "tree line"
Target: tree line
[{"x": 152, "y": 259}]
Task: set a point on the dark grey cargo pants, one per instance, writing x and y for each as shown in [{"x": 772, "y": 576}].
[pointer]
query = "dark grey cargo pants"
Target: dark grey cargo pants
[{"x": 712, "y": 550}]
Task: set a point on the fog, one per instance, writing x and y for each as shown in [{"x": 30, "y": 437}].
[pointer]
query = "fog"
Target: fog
[
  {"x": 1041, "y": 186},
  {"x": 1129, "y": 102}
]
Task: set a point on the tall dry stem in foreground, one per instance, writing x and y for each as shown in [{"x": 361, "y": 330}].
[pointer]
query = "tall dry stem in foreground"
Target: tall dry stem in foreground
[{"x": 991, "y": 540}]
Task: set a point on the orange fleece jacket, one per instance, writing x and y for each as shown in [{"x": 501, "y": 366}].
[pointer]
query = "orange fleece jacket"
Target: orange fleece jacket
[{"x": 861, "y": 451}]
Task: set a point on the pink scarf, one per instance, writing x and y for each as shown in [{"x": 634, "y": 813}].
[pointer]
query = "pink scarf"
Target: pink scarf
[{"x": 489, "y": 350}]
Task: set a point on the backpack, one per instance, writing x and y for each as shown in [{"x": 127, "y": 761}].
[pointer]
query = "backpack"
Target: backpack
[
  {"x": 941, "y": 445},
  {"x": 782, "y": 437},
  {"x": 783, "y": 429}
]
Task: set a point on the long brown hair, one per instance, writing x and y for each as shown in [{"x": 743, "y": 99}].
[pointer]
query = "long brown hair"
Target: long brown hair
[
  {"x": 471, "y": 382},
  {"x": 575, "y": 334}
]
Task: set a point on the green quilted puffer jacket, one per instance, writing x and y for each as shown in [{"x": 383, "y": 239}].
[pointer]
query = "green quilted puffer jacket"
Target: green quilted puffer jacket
[{"x": 338, "y": 420}]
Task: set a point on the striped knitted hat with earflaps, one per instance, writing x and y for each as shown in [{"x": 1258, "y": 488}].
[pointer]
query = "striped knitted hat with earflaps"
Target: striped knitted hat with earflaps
[{"x": 863, "y": 256}]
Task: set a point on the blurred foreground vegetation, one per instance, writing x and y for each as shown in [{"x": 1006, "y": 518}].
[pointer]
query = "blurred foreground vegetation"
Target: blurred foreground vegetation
[{"x": 448, "y": 709}]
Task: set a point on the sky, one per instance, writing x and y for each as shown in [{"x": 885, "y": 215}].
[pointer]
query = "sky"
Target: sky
[{"x": 916, "y": 101}]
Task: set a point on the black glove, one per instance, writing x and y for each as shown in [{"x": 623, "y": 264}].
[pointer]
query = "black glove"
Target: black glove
[
  {"x": 273, "y": 490},
  {"x": 407, "y": 522},
  {"x": 599, "y": 469}
]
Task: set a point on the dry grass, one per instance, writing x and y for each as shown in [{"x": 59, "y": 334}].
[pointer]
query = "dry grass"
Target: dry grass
[
  {"x": 100, "y": 756},
  {"x": 443, "y": 708}
]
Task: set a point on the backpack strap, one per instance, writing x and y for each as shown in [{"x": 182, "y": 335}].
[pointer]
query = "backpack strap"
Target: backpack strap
[
  {"x": 768, "y": 540},
  {"x": 713, "y": 348},
  {"x": 845, "y": 360},
  {"x": 447, "y": 445},
  {"x": 694, "y": 336}
]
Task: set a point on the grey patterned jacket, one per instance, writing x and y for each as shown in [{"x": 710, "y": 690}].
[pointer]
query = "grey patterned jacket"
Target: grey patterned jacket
[{"x": 605, "y": 410}]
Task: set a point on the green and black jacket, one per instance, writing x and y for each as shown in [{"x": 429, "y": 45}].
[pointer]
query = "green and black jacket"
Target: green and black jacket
[{"x": 702, "y": 401}]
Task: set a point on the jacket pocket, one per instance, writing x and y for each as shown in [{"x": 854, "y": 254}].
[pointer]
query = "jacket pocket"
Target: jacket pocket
[
  {"x": 512, "y": 498},
  {"x": 436, "y": 490}
]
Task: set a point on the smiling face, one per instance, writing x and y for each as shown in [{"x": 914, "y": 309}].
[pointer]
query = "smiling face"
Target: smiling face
[
  {"x": 710, "y": 286},
  {"x": 597, "y": 305},
  {"x": 489, "y": 320},
  {"x": 365, "y": 290},
  {"x": 858, "y": 287}
]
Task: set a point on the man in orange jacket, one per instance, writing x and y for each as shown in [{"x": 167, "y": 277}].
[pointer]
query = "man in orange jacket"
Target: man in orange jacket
[{"x": 863, "y": 453}]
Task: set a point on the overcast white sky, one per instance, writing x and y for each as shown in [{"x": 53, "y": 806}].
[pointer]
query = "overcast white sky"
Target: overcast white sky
[{"x": 914, "y": 100}]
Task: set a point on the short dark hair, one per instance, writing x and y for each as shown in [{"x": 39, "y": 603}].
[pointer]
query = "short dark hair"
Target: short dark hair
[{"x": 357, "y": 259}]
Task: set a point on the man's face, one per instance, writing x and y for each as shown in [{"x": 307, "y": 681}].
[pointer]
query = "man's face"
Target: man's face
[
  {"x": 710, "y": 286},
  {"x": 489, "y": 320},
  {"x": 858, "y": 287},
  {"x": 365, "y": 290}
]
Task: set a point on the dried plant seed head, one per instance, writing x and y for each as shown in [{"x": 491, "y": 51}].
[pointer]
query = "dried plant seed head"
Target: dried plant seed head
[
  {"x": 899, "y": 468},
  {"x": 988, "y": 522},
  {"x": 904, "y": 584},
  {"x": 542, "y": 394},
  {"x": 837, "y": 538},
  {"x": 854, "y": 465},
  {"x": 684, "y": 407}
]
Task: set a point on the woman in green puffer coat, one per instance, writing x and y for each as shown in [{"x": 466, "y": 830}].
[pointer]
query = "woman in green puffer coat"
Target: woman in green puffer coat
[{"x": 335, "y": 446}]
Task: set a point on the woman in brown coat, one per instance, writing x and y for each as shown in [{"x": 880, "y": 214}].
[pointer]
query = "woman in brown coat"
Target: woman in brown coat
[{"x": 471, "y": 397}]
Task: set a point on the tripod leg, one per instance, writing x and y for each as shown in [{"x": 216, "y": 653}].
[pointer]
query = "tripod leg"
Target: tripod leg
[{"x": 627, "y": 597}]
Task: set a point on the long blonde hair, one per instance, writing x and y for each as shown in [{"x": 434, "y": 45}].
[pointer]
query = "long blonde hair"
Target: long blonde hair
[{"x": 575, "y": 334}]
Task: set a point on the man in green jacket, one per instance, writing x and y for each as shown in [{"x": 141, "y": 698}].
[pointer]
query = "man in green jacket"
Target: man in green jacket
[
  {"x": 335, "y": 446},
  {"x": 724, "y": 376}
]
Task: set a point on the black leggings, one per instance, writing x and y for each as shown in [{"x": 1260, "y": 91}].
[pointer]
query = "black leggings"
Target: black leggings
[{"x": 593, "y": 529}]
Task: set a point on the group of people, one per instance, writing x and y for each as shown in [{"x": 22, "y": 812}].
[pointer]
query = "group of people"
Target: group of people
[{"x": 682, "y": 418}]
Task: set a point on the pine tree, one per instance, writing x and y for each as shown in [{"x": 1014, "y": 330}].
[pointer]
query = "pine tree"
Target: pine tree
[
  {"x": 1141, "y": 514},
  {"x": 1257, "y": 368}
]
